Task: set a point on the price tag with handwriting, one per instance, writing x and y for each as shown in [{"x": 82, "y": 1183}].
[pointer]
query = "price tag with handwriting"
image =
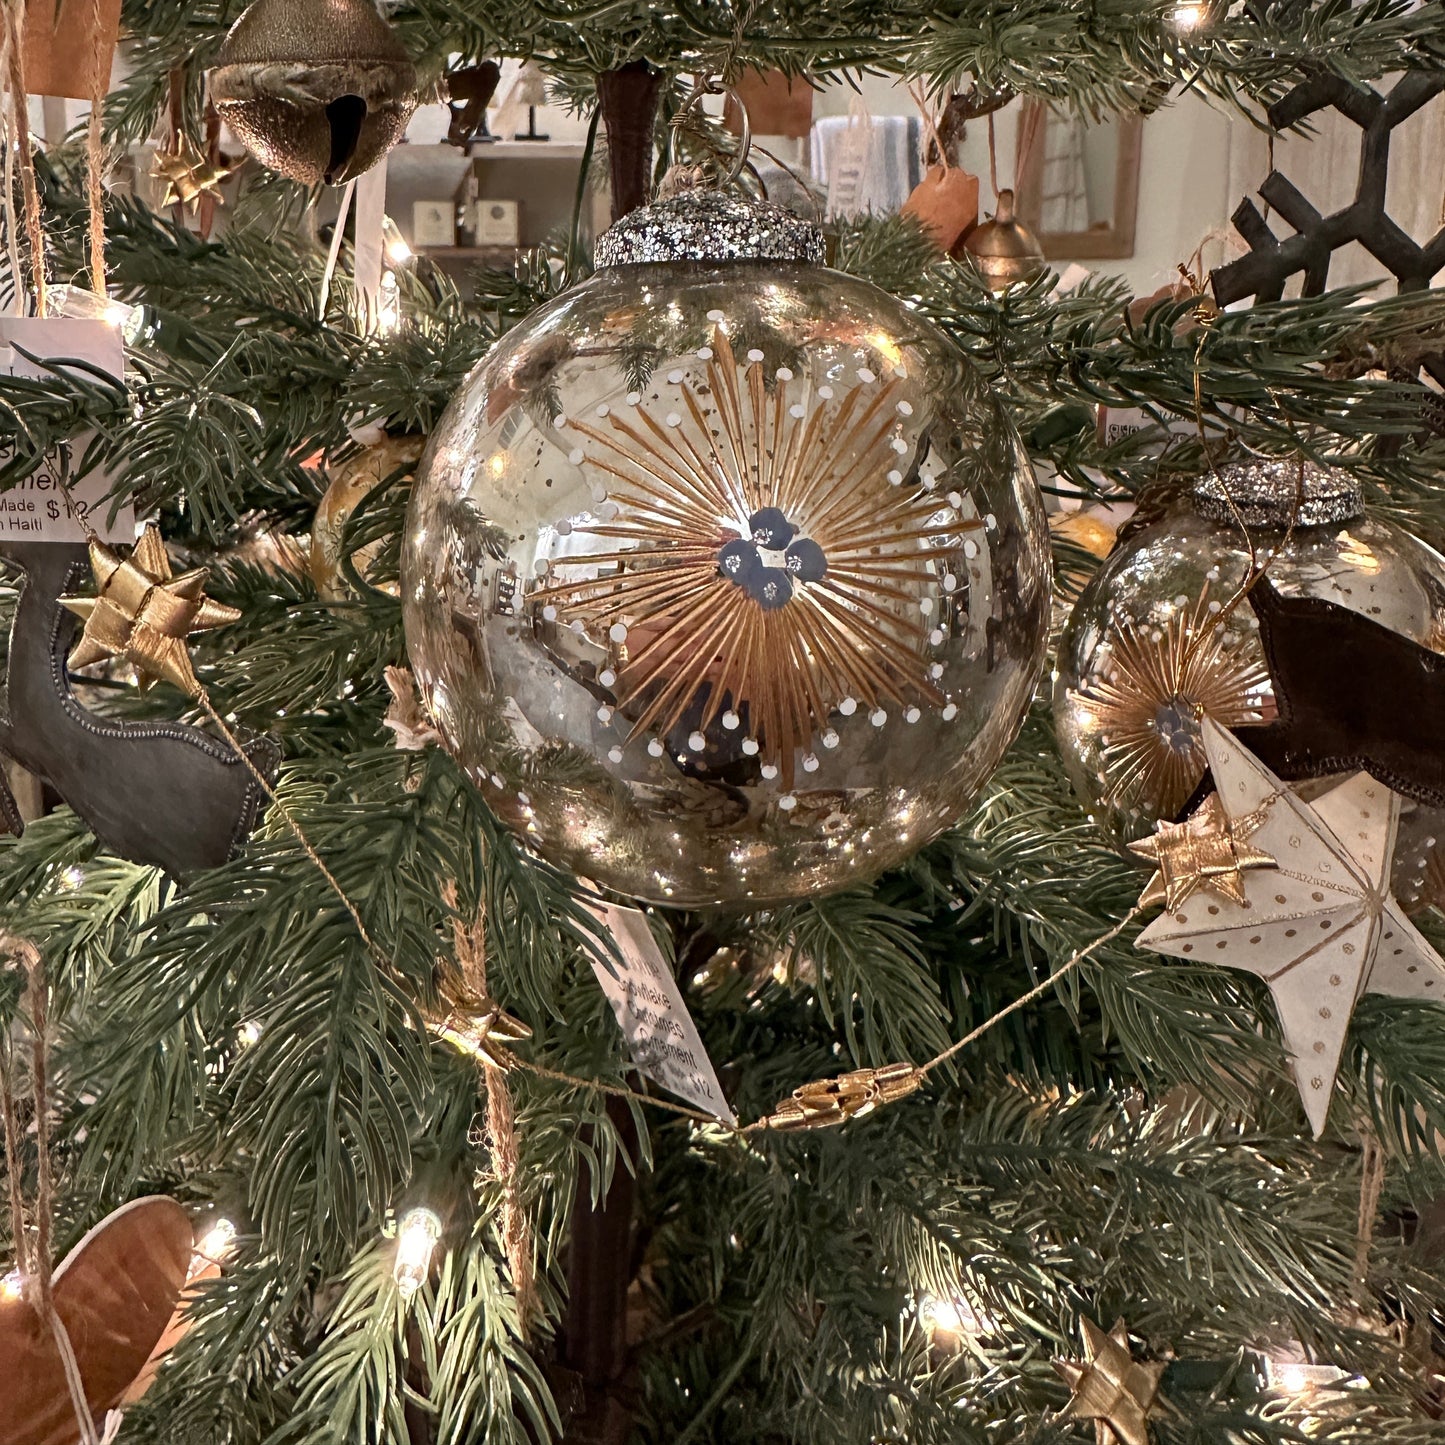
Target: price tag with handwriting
[
  {"x": 47, "y": 506},
  {"x": 660, "y": 1033}
]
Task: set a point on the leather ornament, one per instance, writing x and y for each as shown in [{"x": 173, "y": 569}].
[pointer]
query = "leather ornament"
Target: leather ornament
[
  {"x": 158, "y": 793},
  {"x": 115, "y": 1294}
]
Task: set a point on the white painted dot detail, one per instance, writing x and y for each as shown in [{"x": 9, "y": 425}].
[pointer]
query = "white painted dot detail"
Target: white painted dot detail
[
  {"x": 755, "y": 355},
  {"x": 797, "y": 411},
  {"x": 704, "y": 353},
  {"x": 674, "y": 377},
  {"x": 878, "y": 717},
  {"x": 603, "y": 409},
  {"x": 697, "y": 742},
  {"x": 634, "y": 398},
  {"x": 604, "y": 713},
  {"x": 654, "y": 746},
  {"x": 716, "y": 315},
  {"x": 784, "y": 373},
  {"x": 848, "y": 706},
  {"x": 950, "y": 712},
  {"x": 810, "y": 763},
  {"x": 607, "y": 677},
  {"x": 730, "y": 721},
  {"x": 617, "y": 632},
  {"x": 826, "y": 392},
  {"x": 673, "y": 418},
  {"x": 576, "y": 456},
  {"x": 829, "y": 739},
  {"x": 769, "y": 771},
  {"x": 549, "y": 613},
  {"x": 912, "y": 715},
  {"x": 895, "y": 478},
  {"x": 905, "y": 408},
  {"x": 750, "y": 747},
  {"x": 787, "y": 802},
  {"x": 614, "y": 755},
  {"x": 866, "y": 376}
]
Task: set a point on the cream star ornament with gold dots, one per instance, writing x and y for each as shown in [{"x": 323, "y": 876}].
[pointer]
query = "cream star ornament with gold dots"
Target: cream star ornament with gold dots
[{"x": 1321, "y": 927}]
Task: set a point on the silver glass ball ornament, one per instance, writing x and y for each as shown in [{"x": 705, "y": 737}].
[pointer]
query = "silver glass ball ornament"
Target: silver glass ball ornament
[
  {"x": 1145, "y": 655},
  {"x": 725, "y": 574}
]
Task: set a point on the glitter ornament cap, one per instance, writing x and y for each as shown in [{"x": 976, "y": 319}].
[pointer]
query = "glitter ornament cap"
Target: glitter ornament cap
[
  {"x": 710, "y": 225},
  {"x": 1276, "y": 492}
]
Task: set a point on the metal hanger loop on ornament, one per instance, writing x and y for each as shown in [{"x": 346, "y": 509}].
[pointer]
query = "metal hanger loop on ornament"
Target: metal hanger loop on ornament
[{"x": 705, "y": 86}]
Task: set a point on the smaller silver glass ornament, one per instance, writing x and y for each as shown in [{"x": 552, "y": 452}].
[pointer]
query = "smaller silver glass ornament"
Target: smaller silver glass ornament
[
  {"x": 1144, "y": 657},
  {"x": 725, "y": 575},
  {"x": 316, "y": 90}
]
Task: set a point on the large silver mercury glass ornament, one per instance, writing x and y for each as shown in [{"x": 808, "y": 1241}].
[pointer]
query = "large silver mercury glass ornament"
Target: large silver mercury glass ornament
[
  {"x": 1153, "y": 646},
  {"x": 725, "y": 575}
]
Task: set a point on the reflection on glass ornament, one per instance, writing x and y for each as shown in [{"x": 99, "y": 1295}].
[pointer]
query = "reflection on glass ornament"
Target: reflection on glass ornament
[
  {"x": 1145, "y": 656},
  {"x": 725, "y": 575},
  {"x": 351, "y": 483}
]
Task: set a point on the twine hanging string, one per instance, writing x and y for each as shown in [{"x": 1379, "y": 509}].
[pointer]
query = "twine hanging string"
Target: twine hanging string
[
  {"x": 992, "y": 158},
  {"x": 29, "y": 189},
  {"x": 34, "y": 1263},
  {"x": 469, "y": 943},
  {"x": 932, "y": 141},
  {"x": 95, "y": 150},
  {"x": 508, "y": 1056},
  {"x": 12, "y": 228},
  {"x": 1372, "y": 1184}
]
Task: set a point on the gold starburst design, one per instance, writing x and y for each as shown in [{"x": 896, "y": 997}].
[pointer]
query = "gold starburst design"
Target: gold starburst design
[
  {"x": 1159, "y": 686},
  {"x": 762, "y": 569}
]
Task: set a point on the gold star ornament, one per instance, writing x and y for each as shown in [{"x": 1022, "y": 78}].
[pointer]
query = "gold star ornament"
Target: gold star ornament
[
  {"x": 1110, "y": 1387},
  {"x": 1208, "y": 850},
  {"x": 189, "y": 175},
  {"x": 143, "y": 614}
]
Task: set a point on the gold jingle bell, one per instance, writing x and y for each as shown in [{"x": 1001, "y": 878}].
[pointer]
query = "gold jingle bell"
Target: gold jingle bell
[
  {"x": 316, "y": 90},
  {"x": 1004, "y": 249}
]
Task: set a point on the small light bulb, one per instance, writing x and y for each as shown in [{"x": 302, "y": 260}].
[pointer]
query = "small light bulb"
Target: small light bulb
[
  {"x": 416, "y": 1238},
  {"x": 12, "y": 1287},
  {"x": 213, "y": 1246},
  {"x": 1189, "y": 15},
  {"x": 950, "y": 1321},
  {"x": 71, "y": 878},
  {"x": 398, "y": 251},
  {"x": 249, "y": 1034},
  {"x": 79, "y": 304},
  {"x": 388, "y": 306}
]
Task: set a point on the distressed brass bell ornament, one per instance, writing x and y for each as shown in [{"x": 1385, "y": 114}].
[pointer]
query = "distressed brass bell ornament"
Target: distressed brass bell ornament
[
  {"x": 316, "y": 90},
  {"x": 1004, "y": 249}
]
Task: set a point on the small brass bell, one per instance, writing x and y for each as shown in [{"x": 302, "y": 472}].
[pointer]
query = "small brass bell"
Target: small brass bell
[
  {"x": 316, "y": 90},
  {"x": 1004, "y": 249}
]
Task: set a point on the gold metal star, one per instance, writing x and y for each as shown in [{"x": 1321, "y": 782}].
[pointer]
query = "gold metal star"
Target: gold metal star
[
  {"x": 1110, "y": 1387},
  {"x": 142, "y": 613},
  {"x": 189, "y": 175},
  {"x": 1207, "y": 850}
]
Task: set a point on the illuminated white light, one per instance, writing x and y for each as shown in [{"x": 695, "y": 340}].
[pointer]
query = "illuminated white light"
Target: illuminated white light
[
  {"x": 12, "y": 1287},
  {"x": 416, "y": 1239},
  {"x": 398, "y": 252},
  {"x": 249, "y": 1034},
  {"x": 388, "y": 305},
  {"x": 213, "y": 1246},
  {"x": 1189, "y": 16},
  {"x": 79, "y": 304},
  {"x": 71, "y": 878}
]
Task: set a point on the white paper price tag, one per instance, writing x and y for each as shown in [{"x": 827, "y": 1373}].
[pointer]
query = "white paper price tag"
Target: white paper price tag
[
  {"x": 660, "y": 1033},
  {"x": 36, "y": 510}
]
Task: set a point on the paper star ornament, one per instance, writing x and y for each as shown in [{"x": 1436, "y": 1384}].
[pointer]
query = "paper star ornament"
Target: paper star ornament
[
  {"x": 1110, "y": 1387},
  {"x": 1321, "y": 928},
  {"x": 143, "y": 614}
]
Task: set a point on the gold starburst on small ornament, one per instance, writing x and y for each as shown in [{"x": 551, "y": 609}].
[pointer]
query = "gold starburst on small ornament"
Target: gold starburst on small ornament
[
  {"x": 1110, "y": 1387},
  {"x": 189, "y": 175},
  {"x": 143, "y": 614},
  {"x": 1204, "y": 851},
  {"x": 761, "y": 573},
  {"x": 1156, "y": 690}
]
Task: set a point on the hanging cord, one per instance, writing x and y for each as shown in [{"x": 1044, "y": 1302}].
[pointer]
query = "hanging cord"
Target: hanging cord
[
  {"x": 1372, "y": 1184},
  {"x": 334, "y": 253},
  {"x": 36, "y": 1271},
  {"x": 512, "y": 1060},
  {"x": 992, "y": 158},
  {"x": 12, "y": 228},
  {"x": 931, "y": 138},
  {"x": 20, "y": 110},
  {"x": 95, "y": 150},
  {"x": 469, "y": 942}
]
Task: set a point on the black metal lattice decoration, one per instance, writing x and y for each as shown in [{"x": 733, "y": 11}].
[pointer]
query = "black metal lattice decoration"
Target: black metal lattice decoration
[{"x": 1271, "y": 261}]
